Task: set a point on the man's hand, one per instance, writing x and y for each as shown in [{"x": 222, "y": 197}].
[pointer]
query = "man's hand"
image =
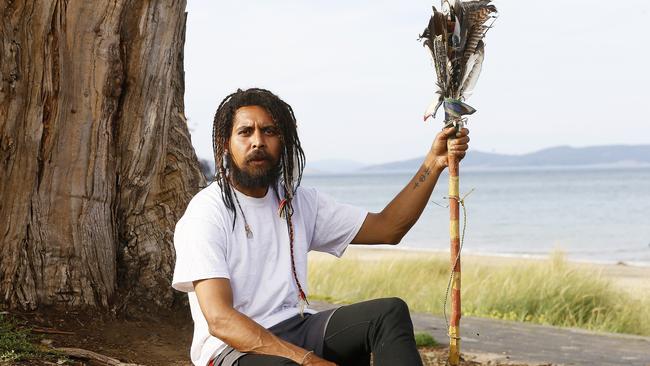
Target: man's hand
[
  {"x": 449, "y": 143},
  {"x": 235, "y": 328},
  {"x": 313, "y": 360}
]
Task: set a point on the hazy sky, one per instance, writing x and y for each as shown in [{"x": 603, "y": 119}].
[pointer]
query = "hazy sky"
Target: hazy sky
[{"x": 556, "y": 73}]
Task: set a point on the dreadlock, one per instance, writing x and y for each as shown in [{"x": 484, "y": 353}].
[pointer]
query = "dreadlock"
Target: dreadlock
[{"x": 292, "y": 157}]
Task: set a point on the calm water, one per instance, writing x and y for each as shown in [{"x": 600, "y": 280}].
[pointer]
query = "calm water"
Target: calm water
[{"x": 598, "y": 215}]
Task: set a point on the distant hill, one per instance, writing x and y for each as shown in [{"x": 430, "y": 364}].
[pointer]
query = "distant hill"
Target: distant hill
[{"x": 561, "y": 156}]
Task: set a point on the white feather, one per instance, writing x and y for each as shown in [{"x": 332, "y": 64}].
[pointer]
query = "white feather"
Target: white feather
[
  {"x": 474, "y": 66},
  {"x": 432, "y": 108}
]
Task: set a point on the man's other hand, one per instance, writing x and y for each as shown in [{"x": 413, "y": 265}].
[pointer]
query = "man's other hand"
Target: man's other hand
[
  {"x": 448, "y": 143},
  {"x": 314, "y": 360}
]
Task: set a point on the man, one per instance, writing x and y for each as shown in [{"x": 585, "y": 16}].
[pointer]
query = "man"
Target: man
[{"x": 242, "y": 244}]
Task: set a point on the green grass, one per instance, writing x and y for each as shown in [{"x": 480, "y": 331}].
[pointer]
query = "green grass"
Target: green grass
[
  {"x": 424, "y": 340},
  {"x": 16, "y": 344},
  {"x": 549, "y": 292}
]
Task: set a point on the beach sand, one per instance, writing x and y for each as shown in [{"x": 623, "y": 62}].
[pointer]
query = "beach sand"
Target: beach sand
[{"x": 629, "y": 278}]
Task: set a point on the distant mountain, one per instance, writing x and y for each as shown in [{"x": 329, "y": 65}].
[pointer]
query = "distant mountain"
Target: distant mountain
[{"x": 561, "y": 156}]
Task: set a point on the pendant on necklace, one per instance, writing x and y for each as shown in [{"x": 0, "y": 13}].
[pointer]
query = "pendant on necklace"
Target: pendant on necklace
[{"x": 249, "y": 232}]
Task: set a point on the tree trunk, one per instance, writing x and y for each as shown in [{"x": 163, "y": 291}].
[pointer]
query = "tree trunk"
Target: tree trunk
[{"x": 95, "y": 153}]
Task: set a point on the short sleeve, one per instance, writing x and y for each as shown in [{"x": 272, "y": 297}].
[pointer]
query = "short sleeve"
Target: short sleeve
[
  {"x": 200, "y": 252},
  {"x": 336, "y": 225}
]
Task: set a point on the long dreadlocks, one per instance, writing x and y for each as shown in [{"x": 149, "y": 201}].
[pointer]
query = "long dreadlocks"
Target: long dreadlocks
[{"x": 292, "y": 158}]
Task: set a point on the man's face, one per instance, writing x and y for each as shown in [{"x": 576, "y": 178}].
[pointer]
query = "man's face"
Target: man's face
[{"x": 254, "y": 147}]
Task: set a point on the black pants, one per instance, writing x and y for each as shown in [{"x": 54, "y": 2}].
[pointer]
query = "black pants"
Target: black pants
[{"x": 382, "y": 327}]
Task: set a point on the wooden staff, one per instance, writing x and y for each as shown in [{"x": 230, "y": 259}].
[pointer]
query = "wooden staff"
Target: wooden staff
[
  {"x": 454, "y": 203},
  {"x": 454, "y": 39}
]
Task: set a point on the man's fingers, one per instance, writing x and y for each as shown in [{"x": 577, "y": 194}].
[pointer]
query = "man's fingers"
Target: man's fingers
[
  {"x": 459, "y": 147},
  {"x": 452, "y": 143},
  {"x": 460, "y": 140},
  {"x": 449, "y": 131}
]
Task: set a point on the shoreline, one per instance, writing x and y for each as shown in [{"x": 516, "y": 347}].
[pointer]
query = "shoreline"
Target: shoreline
[
  {"x": 633, "y": 279},
  {"x": 468, "y": 253}
]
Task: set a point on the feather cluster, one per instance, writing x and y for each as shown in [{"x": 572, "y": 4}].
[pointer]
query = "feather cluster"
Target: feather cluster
[{"x": 454, "y": 39}]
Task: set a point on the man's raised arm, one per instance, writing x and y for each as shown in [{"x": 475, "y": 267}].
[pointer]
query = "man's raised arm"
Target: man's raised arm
[
  {"x": 240, "y": 331},
  {"x": 391, "y": 224}
]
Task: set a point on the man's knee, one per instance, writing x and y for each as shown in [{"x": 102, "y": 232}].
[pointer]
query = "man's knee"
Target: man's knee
[{"x": 395, "y": 306}]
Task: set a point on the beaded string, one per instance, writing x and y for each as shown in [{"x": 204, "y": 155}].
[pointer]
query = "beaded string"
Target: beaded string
[{"x": 285, "y": 211}]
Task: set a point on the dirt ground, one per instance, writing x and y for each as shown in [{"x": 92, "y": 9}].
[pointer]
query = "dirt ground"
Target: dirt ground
[{"x": 161, "y": 340}]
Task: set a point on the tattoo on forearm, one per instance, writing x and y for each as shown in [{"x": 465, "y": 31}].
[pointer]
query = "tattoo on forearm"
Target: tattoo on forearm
[{"x": 422, "y": 177}]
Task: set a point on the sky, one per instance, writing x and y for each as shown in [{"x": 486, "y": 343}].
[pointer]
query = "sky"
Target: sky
[{"x": 555, "y": 73}]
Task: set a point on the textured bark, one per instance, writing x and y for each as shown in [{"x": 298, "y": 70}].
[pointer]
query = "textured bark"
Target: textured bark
[{"x": 95, "y": 154}]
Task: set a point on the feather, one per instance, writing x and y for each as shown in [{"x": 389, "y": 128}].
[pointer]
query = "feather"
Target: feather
[
  {"x": 474, "y": 66},
  {"x": 474, "y": 37},
  {"x": 440, "y": 48},
  {"x": 433, "y": 108},
  {"x": 454, "y": 41},
  {"x": 439, "y": 23}
]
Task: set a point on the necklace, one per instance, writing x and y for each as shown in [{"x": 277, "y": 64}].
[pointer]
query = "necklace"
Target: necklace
[{"x": 249, "y": 232}]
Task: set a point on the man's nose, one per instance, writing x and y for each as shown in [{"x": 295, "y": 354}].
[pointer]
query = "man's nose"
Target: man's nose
[{"x": 258, "y": 139}]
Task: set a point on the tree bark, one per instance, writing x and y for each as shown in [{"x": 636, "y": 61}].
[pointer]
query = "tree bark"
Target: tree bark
[{"x": 95, "y": 154}]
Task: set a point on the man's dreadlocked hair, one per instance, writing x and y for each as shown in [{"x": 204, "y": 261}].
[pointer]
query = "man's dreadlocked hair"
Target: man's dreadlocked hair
[{"x": 292, "y": 158}]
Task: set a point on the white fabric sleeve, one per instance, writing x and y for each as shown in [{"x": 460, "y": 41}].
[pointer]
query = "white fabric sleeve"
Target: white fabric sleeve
[
  {"x": 336, "y": 225},
  {"x": 200, "y": 252}
]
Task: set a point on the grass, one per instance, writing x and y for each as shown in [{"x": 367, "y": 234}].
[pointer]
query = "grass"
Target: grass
[
  {"x": 549, "y": 292},
  {"x": 16, "y": 344},
  {"x": 424, "y": 340}
]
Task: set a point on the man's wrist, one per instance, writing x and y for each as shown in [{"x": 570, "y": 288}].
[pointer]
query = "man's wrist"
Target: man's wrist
[
  {"x": 432, "y": 163},
  {"x": 306, "y": 357}
]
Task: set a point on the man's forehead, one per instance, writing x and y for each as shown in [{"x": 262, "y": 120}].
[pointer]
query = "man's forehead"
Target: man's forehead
[{"x": 248, "y": 115}]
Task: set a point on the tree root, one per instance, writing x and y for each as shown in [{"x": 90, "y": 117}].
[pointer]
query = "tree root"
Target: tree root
[
  {"x": 93, "y": 357},
  {"x": 50, "y": 331}
]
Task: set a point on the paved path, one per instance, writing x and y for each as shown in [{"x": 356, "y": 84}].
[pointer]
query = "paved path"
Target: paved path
[{"x": 498, "y": 340}]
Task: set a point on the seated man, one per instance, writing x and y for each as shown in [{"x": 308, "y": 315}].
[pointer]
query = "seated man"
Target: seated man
[{"x": 242, "y": 244}]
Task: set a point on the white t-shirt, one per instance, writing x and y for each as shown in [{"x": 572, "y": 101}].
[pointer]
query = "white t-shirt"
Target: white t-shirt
[{"x": 259, "y": 268}]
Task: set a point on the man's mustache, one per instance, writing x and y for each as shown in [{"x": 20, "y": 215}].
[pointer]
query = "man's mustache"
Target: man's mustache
[{"x": 258, "y": 155}]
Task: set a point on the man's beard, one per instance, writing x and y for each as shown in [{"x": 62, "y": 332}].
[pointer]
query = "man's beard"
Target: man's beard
[{"x": 253, "y": 177}]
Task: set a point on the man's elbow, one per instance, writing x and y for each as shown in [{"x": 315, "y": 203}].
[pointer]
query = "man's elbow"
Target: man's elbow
[
  {"x": 391, "y": 231},
  {"x": 218, "y": 325},
  {"x": 397, "y": 232},
  {"x": 393, "y": 238},
  {"x": 230, "y": 329}
]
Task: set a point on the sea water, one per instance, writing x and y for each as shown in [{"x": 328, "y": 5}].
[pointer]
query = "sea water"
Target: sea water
[{"x": 590, "y": 214}]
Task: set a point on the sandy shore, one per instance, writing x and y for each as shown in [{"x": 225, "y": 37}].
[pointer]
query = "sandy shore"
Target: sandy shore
[{"x": 632, "y": 279}]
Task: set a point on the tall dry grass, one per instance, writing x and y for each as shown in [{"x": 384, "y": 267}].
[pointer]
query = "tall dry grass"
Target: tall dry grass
[{"x": 548, "y": 292}]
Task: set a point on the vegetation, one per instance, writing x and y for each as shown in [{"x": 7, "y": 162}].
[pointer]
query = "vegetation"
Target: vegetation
[
  {"x": 549, "y": 292},
  {"x": 424, "y": 340},
  {"x": 16, "y": 344}
]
